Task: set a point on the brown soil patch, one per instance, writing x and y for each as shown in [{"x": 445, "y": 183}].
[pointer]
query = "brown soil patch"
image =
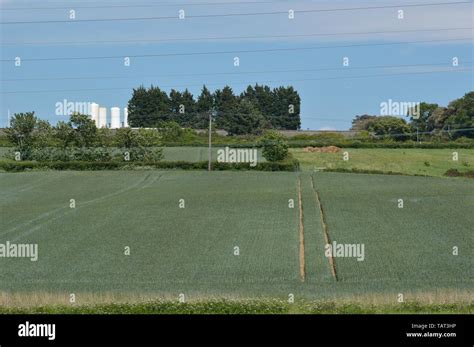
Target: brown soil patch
[{"x": 329, "y": 149}]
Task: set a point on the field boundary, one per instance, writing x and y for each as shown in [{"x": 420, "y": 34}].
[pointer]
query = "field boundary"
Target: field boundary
[
  {"x": 288, "y": 165},
  {"x": 301, "y": 234},
  {"x": 332, "y": 263}
]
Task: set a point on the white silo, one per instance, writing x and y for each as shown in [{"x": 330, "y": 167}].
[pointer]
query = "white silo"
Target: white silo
[
  {"x": 102, "y": 117},
  {"x": 95, "y": 113},
  {"x": 125, "y": 117},
  {"x": 115, "y": 118}
]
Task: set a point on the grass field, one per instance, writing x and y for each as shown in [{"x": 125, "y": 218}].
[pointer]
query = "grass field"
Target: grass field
[
  {"x": 190, "y": 250},
  {"x": 426, "y": 162}
]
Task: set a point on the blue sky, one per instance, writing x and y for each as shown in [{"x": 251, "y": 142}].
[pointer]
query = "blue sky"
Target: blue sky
[{"x": 331, "y": 94}]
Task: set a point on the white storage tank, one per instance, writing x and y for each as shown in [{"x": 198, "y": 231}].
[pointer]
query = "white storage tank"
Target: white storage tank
[
  {"x": 115, "y": 118},
  {"x": 102, "y": 117},
  {"x": 95, "y": 113},
  {"x": 125, "y": 117}
]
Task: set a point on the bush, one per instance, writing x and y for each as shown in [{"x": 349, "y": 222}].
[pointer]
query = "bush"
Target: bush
[
  {"x": 287, "y": 165},
  {"x": 274, "y": 146},
  {"x": 87, "y": 154},
  {"x": 456, "y": 173},
  {"x": 144, "y": 154}
]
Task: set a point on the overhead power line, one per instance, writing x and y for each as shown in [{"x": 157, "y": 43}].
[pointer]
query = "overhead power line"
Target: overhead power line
[
  {"x": 349, "y": 68},
  {"x": 223, "y": 15},
  {"x": 144, "y": 5},
  {"x": 217, "y": 38},
  {"x": 248, "y": 83},
  {"x": 288, "y": 49},
  {"x": 424, "y": 133}
]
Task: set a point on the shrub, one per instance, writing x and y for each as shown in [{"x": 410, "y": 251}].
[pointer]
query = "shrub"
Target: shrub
[
  {"x": 456, "y": 173},
  {"x": 86, "y": 132},
  {"x": 171, "y": 131},
  {"x": 274, "y": 146},
  {"x": 144, "y": 154},
  {"x": 21, "y": 129},
  {"x": 287, "y": 165}
]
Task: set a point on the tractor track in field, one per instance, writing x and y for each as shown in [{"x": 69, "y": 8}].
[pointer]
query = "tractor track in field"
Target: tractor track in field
[
  {"x": 327, "y": 239},
  {"x": 56, "y": 213},
  {"x": 301, "y": 233}
]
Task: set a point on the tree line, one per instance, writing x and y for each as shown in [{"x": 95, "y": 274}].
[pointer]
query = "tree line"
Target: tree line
[
  {"x": 257, "y": 108},
  {"x": 454, "y": 121}
]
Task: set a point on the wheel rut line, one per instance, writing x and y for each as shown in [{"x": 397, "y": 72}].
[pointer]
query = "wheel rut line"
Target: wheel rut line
[
  {"x": 55, "y": 215},
  {"x": 327, "y": 239},
  {"x": 301, "y": 233}
]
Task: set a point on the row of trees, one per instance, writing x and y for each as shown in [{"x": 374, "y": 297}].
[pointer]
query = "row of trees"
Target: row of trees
[
  {"x": 455, "y": 120},
  {"x": 255, "y": 109},
  {"x": 80, "y": 140},
  {"x": 27, "y": 131}
]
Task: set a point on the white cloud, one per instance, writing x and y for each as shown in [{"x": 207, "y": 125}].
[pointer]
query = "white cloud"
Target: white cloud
[{"x": 327, "y": 128}]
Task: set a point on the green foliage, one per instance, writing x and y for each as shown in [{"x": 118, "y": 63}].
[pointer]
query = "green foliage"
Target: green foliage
[
  {"x": 391, "y": 127},
  {"x": 246, "y": 120},
  {"x": 226, "y": 104},
  {"x": 171, "y": 132},
  {"x": 148, "y": 138},
  {"x": 126, "y": 137},
  {"x": 183, "y": 107},
  {"x": 280, "y": 115},
  {"x": 145, "y": 154},
  {"x": 258, "y": 107},
  {"x": 90, "y": 154},
  {"x": 362, "y": 122},
  {"x": 421, "y": 121},
  {"x": 204, "y": 106},
  {"x": 86, "y": 134},
  {"x": 460, "y": 115},
  {"x": 149, "y": 160},
  {"x": 274, "y": 146},
  {"x": 64, "y": 134},
  {"x": 51, "y": 154},
  {"x": 148, "y": 107},
  {"x": 44, "y": 134},
  {"x": 21, "y": 129}
]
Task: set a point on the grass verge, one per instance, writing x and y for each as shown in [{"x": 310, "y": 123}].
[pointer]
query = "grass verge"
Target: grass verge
[{"x": 244, "y": 307}]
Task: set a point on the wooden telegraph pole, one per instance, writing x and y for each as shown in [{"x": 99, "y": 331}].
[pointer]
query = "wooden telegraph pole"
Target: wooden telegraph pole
[{"x": 210, "y": 142}]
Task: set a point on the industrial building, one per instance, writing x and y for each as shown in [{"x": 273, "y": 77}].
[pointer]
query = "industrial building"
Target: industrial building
[{"x": 99, "y": 116}]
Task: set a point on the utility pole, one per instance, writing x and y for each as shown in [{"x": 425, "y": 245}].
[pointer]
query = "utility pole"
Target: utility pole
[{"x": 210, "y": 142}]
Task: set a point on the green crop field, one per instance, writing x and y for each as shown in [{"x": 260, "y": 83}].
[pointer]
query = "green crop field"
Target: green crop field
[{"x": 234, "y": 235}]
